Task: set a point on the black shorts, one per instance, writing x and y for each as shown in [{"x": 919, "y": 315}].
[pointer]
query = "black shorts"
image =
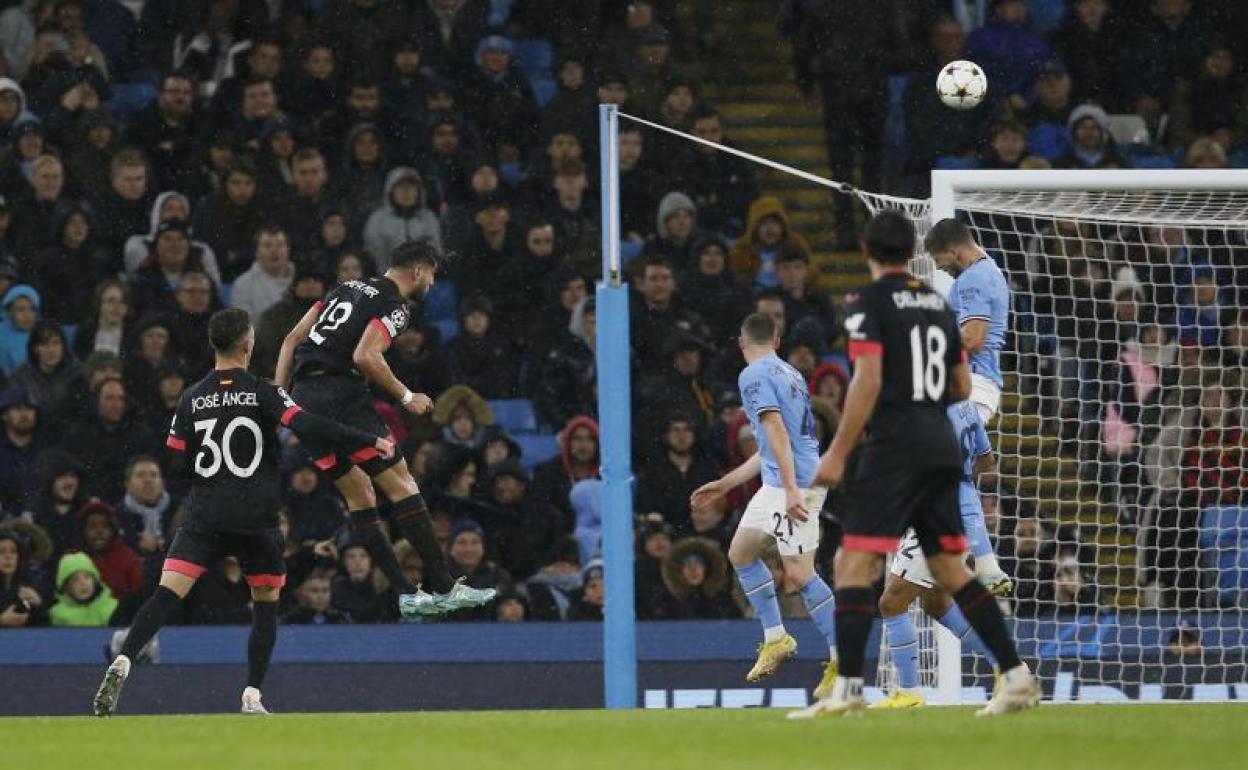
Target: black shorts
[
  {"x": 882, "y": 501},
  {"x": 194, "y": 551},
  {"x": 344, "y": 399}
]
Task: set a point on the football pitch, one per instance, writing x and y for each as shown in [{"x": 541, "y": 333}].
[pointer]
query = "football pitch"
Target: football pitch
[{"x": 1100, "y": 737}]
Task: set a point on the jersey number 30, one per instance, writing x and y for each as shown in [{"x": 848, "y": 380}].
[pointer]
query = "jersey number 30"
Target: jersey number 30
[
  {"x": 334, "y": 315},
  {"x": 927, "y": 362},
  {"x": 212, "y": 454}
]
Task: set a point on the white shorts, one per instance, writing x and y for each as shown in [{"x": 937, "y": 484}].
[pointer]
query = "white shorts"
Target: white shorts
[
  {"x": 986, "y": 396},
  {"x": 909, "y": 563},
  {"x": 766, "y": 514}
]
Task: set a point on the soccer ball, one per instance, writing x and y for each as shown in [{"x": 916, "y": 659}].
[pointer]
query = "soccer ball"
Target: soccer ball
[{"x": 962, "y": 85}]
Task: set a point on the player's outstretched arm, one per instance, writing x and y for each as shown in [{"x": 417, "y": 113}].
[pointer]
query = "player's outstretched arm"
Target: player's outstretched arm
[
  {"x": 286, "y": 357},
  {"x": 860, "y": 400},
  {"x": 778, "y": 440},
  {"x": 713, "y": 490},
  {"x": 283, "y": 410},
  {"x": 370, "y": 358}
]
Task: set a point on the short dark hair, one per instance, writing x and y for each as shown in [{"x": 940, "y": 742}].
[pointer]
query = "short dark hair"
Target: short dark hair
[
  {"x": 772, "y": 293},
  {"x": 946, "y": 234},
  {"x": 759, "y": 329},
  {"x": 704, "y": 111},
  {"x": 421, "y": 252},
  {"x": 889, "y": 238},
  {"x": 227, "y": 327},
  {"x": 656, "y": 260},
  {"x": 138, "y": 460}
]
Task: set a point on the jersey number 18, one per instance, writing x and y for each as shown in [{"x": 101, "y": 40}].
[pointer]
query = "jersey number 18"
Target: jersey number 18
[{"x": 927, "y": 363}]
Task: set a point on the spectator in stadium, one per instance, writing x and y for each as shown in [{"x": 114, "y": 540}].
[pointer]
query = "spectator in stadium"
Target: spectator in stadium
[
  {"x": 12, "y": 103},
  {"x": 34, "y": 212},
  {"x": 1184, "y": 641},
  {"x": 315, "y": 513},
  {"x": 1046, "y": 115},
  {"x": 665, "y": 483},
  {"x": 119, "y": 566},
  {"x": 404, "y": 217},
  {"x": 639, "y": 184},
  {"x": 711, "y": 522},
  {"x": 555, "y": 586},
  {"x": 145, "y": 514},
  {"x": 727, "y": 410},
  {"x": 1072, "y": 593},
  {"x": 1009, "y": 49},
  {"x": 1089, "y": 41},
  {"x": 767, "y": 234},
  {"x": 82, "y": 598},
  {"x": 307, "y": 288},
  {"x": 21, "y": 604},
  {"x": 804, "y": 303},
  {"x": 485, "y": 359},
  {"x": 526, "y": 284},
  {"x": 105, "y": 440},
  {"x": 169, "y": 130},
  {"x": 269, "y": 277},
  {"x": 50, "y": 369},
  {"x": 196, "y": 300},
  {"x": 364, "y": 171},
  {"x": 67, "y": 271},
  {"x": 574, "y": 214},
  {"x": 1007, "y": 145},
  {"x": 659, "y": 313},
  {"x": 313, "y": 599},
  {"x": 1167, "y": 46},
  {"x": 169, "y": 205},
  {"x": 1205, "y": 153},
  {"x": 275, "y": 161},
  {"x": 1028, "y": 556},
  {"x": 1201, "y": 308},
  {"x": 462, "y": 415},
  {"x": 154, "y": 285},
  {"x": 315, "y": 91},
  {"x": 357, "y": 590},
  {"x": 830, "y": 381},
  {"x": 714, "y": 291},
  {"x": 310, "y": 200},
  {"x": 1091, "y": 145},
  {"x": 588, "y": 604},
  {"x": 151, "y": 350},
  {"x": 21, "y": 306},
  {"x": 124, "y": 208},
  {"x": 578, "y": 460},
  {"x": 654, "y": 543},
  {"x": 676, "y": 230},
  {"x": 28, "y": 143},
  {"x": 521, "y": 531},
  {"x": 94, "y": 144},
  {"x": 696, "y": 576},
  {"x": 498, "y": 96},
  {"x": 721, "y": 185},
  {"x": 230, "y": 217},
  {"x": 467, "y": 560},
  {"x": 1211, "y": 102},
  {"x": 679, "y": 386},
  {"x": 416, "y": 358},
  {"x": 20, "y": 446},
  {"x": 59, "y": 496},
  {"x": 567, "y": 385}
]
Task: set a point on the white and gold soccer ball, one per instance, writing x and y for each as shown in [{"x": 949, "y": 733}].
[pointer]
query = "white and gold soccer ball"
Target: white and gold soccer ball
[{"x": 962, "y": 85}]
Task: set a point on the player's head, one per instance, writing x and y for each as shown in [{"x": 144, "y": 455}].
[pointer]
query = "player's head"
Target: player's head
[
  {"x": 231, "y": 335},
  {"x": 888, "y": 239},
  {"x": 413, "y": 267},
  {"x": 951, "y": 246},
  {"x": 759, "y": 333}
]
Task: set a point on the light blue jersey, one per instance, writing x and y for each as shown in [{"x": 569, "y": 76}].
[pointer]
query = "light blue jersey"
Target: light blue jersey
[
  {"x": 980, "y": 292},
  {"x": 973, "y": 439},
  {"x": 771, "y": 385}
]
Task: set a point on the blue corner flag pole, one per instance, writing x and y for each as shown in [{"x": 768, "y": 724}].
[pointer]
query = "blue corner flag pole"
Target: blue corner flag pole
[{"x": 619, "y": 653}]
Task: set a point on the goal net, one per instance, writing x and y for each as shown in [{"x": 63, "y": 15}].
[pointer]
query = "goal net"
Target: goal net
[{"x": 1119, "y": 505}]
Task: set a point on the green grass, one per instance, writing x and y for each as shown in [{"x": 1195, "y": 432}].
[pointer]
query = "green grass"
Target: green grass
[{"x": 1174, "y": 737}]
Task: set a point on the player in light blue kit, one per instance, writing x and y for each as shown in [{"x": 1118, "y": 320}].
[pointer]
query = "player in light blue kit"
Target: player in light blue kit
[{"x": 786, "y": 508}]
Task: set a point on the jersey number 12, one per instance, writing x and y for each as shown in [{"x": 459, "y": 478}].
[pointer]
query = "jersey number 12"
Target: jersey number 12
[{"x": 927, "y": 363}]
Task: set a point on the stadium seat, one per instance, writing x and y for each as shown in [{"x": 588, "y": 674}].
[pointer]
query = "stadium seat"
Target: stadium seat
[
  {"x": 535, "y": 57},
  {"x": 1224, "y": 542},
  {"x": 1153, "y": 160},
  {"x": 537, "y": 447},
  {"x": 514, "y": 415},
  {"x": 955, "y": 163},
  {"x": 441, "y": 310},
  {"x": 1129, "y": 129}
]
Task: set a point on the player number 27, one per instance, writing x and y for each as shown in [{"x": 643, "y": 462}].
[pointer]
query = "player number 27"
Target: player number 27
[
  {"x": 927, "y": 363},
  {"x": 334, "y": 315},
  {"x": 212, "y": 454}
]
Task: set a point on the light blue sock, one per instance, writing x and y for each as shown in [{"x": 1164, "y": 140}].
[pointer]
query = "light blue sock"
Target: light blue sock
[
  {"x": 756, "y": 581},
  {"x": 903, "y": 647},
  {"x": 822, "y": 608},
  {"x": 956, "y": 622},
  {"x": 973, "y": 523}
]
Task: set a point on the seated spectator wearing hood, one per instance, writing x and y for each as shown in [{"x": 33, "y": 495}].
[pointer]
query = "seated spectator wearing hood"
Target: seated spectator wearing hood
[
  {"x": 12, "y": 109},
  {"x": 1213, "y": 102},
  {"x": 568, "y": 380},
  {"x": 578, "y": 460},
  {"x": 21, "y": 307},
  {"x": 830, "y": 381},
  {"x": 715, "y": 292},
  {"x": 151, "y": 350},
  {"x": 307, "y": 288},
  {"x": 167, "y": 206},
  {"x": 59, "y": 496},
  {"x": 676, "y": 231},
  {"x": 463, "y": 416},
  {"x": 275, "y": 164},
  {"x": 484, "y": 359},
  {"x": 21, "y": 443},
  {"x": 522, "y": 531},
  {"x": 499, "y": 98},
  {"x": 314, "y": 597},
  {"x": 681, "y": 385},
  {"x": 50, "y": 369},
  {"x": 68, "y": 271},
  {"x": 666, "y": 481},
  {"x": 120, "y": 567},
  {"x": 154, "y": 285},
  {"x": 95, "y": 143},
  {"x": 403, "y": 217},
  {"x": 768, "y": 232},
  {"x": 82, "y": 598},
  {"x": 555, "y": 586},
  {"x": 16, "y": 164},
  {"x": 104, "y": 440},
  {"x": 21, "y": 604},
  {"x": 654, "y": 543},
  {"x": 696, "y": 576},
  {"x": 269, "y": 277},
  {"x": 467, "y": 560},
  {"x": 229, "y": 218},
  {"x": 363, "y": 181},
  {"x": 588, "y": 604},
  {"x": 359, "y": 590},
  {"x": 720, "y": 184},
  {"x": 1007, "y": 145},
  {"x": 1091, "y": 145}
]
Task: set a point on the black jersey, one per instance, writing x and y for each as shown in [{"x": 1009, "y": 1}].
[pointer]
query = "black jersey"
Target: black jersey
[
  {"x": 344, "y": 315},
  {"x": 911, "y": 326},
  {"x": 225, "y": 429}
]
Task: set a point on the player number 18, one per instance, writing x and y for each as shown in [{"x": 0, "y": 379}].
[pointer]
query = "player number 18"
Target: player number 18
[{"x": 928, "y": 363}]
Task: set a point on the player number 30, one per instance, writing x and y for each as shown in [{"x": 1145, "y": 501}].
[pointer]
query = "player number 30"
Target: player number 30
[
  {"x": 928, "y": 372},
  {"x": 212, "y": 454}
]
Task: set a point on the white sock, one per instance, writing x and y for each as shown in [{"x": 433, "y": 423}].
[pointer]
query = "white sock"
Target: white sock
[
  {"x": 832, "y": 654},
  {"x": 847, "y": 687},
  {"x": 122, "y": 662},
  {"x": 251, "y": 693},
  {"x": 1019, "y": 671},
  {"x": 773, "y": 634},
  {"x": 987, "y": 566}
]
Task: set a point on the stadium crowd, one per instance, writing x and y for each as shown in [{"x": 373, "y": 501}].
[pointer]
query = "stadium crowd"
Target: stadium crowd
[{"x": 155, "y": 168}]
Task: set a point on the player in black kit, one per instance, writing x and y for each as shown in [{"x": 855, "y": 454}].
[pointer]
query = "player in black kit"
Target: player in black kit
[
  {"x": 331, "y": 356},
  {"x": 908, "y": 367},
  {"x": 223, "y": 439}
]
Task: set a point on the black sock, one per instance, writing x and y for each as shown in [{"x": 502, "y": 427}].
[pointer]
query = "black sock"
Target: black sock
[
  {"x": 412, "y": 517},
  {"x": 148, "y": 620},
  {"x": 260, "y": 643},
  {"x": 855, "y": 612},
  {"x": 368, "y": 527},
  {"x": 985, "y": 617}
]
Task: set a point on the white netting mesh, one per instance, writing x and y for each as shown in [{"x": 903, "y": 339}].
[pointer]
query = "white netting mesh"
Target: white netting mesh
[{"x": 1120, "y": 505}]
